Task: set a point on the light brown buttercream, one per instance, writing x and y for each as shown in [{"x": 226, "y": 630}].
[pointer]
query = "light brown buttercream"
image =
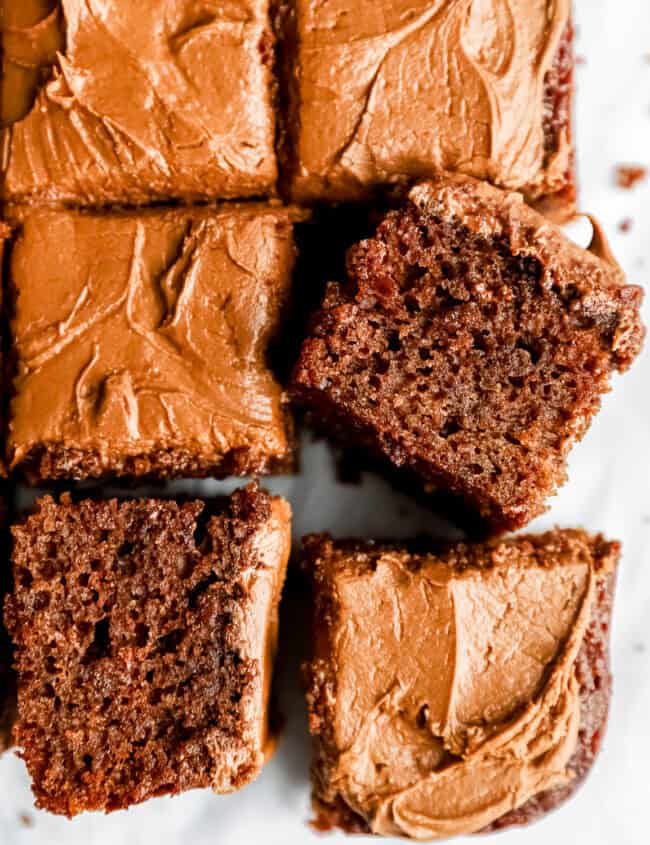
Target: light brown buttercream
[
  {"x": 142, "y": 99},
  {"x": 455, "y": 698},
  {"x": 31, "y": 34},
  {"x": 416, "y": 87},
  {"x": 149, "y": 331},
  {"x": 257, "y": 620}
]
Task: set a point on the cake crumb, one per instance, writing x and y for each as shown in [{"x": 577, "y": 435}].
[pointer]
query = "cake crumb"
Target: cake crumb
[
  {"x": 382, "y": 384},
  {"x": 629, "y": 175},
  {"x": 625, "y": 225},
  {"x": 26, "y": 820},
  {"x": 198, "y": 660}
]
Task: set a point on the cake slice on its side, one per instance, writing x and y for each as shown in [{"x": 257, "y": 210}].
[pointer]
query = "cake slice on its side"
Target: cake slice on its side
[
  {"x": 471, "y": 345},
  {"x": 145, "y": 633},
  {"x": 458, "y": 691}
]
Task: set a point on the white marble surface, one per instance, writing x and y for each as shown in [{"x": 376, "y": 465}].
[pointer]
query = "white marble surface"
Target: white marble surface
[{"x": 609, "y": 490}]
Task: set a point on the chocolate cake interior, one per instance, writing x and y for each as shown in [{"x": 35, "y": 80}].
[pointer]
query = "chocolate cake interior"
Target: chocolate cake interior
[
  {"x": 462, "y": 349},
  {"x": 559, "y": 87},
  {"x": 145, "y": 632},
  {"x": 7, "y": 677}
]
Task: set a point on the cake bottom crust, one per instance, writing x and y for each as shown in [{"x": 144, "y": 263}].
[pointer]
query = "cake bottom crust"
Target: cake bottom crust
[{"x": 64, "y": 463}]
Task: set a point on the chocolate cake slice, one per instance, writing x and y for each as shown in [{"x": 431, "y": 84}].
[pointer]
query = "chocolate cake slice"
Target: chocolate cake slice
[
  {"x": 142, "y": 342},
  {"x": 135, "y": 101},
  {"x": 458, "y": 691},
  {"x": 7, "y": 678},
  {"x": 145, "y": 632},
  {"x": 384, "y": 97},
  {"x": 470, "y": 345}
]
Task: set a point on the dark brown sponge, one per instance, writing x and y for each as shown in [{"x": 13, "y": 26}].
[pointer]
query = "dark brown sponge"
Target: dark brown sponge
[
  {"x": 470, "y": 345},
  {"x": 7, "y": 679},
  {"x": 144, "y": 634}
]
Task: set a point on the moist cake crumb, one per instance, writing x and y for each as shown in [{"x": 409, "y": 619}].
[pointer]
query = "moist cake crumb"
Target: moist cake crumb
[
  {"x": 144, "y": 633},
  {"x": 470, "y": 345}
]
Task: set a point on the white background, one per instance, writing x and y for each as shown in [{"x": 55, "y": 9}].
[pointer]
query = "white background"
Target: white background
[{"x": 609, "y": 490}]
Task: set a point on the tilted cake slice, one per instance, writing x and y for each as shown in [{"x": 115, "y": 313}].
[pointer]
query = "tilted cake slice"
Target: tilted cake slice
[{"x": 471, "y": 345}]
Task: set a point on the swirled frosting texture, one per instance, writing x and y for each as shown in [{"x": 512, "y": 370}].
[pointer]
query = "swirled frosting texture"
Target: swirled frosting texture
[
  {"x": 148, "y": 99},
  {"x": 145, "y": 335},
  {"x": 416, "y": 87},
  {"x": 444, "y": 689}
]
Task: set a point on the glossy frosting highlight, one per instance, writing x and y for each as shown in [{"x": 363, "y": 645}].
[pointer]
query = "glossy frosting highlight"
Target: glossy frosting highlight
[
  {"x": 426, "y": 86},
  {"x": 148, "y": 332},
  {"x": 451, "y": 691},
  {"x": 142, "y": 100}
]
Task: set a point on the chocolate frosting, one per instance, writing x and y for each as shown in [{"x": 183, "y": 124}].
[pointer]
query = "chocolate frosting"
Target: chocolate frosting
[
  {"x": 149, "y": 331},
  {"x": 454, "y": 697},
  {"x": 422, "y": 86},
  {"x": 5, "y": 233},
  {"x": 258, "y": 622},
  {"x": 146, "y": 99},
  {"x": 599, "y": 244}
]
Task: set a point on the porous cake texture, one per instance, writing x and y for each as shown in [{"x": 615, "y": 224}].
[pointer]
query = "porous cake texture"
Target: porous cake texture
[
  {"x": 470, "y": 344},
  {"x": 145, "y": 632}
]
